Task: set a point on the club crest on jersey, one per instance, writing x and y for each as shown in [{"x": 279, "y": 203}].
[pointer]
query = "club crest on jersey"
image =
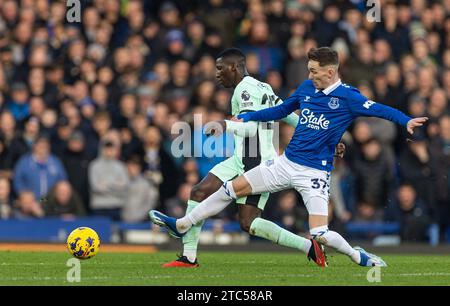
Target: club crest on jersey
[
  {"x": 334, "y": 103},
  {"x": 245, "y": 95}
]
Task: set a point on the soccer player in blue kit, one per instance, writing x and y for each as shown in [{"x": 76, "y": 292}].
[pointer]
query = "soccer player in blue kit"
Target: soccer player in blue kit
[{"x": 327, "y": 107}]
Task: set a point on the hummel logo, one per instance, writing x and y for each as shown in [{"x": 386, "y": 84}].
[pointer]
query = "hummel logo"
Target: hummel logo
[
  {"x": 226, "y": 189},
  {"x": 368, "y": 104},
  {"x": 307, "y": 98}
]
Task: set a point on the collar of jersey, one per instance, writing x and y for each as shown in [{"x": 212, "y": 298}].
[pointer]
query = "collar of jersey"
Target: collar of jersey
[{"x": 330, "y": 88}]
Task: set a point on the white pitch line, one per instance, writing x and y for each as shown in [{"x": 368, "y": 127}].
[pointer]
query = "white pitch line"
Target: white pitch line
[
  {"x": 150, "y": 277},
  {"x": 63, "y": 263}
]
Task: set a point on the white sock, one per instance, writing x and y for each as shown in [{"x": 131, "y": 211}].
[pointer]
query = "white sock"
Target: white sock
[
  {"x": 334, "y": 240},
  {"x": 211, "y": 206},
  {"x": 191, "y": 254}
]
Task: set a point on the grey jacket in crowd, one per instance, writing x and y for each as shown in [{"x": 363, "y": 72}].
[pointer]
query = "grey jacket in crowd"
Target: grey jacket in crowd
[{"x": 109, "y": 183}]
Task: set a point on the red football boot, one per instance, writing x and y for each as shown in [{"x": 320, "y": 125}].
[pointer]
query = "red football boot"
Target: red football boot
[
  {"x": 317, "y": 254},
  {"x": 181, "y": 262}
]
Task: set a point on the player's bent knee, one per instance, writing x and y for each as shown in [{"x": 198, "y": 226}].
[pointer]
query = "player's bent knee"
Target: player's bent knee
[{"x": 241, "y": 187}]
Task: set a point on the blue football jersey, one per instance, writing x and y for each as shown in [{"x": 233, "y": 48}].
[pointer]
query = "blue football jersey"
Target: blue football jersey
[{"x": 324, "y": 117}]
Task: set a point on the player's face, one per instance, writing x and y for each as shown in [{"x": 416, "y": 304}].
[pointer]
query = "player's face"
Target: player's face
[
  {"x": 321, "y": 76},
  {"x": 224, "y": 73}
]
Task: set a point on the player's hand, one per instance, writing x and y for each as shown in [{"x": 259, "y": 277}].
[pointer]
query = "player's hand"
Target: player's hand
[
  {"x": 340, "y": 150},
  {"x": 415, "y": 122},
  {"x": 215, "y": 128},
  {"x": 345, "y": 216},
  {"x": 235, "y": 119}
]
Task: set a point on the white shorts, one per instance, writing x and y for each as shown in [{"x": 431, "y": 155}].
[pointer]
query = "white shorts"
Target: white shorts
[{"x": 281, "y": 173}]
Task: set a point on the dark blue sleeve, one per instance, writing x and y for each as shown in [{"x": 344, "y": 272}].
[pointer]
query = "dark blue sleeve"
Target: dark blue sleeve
[
  {"x": 361, "y": 106},
  {"x": 274, "y": 113}
]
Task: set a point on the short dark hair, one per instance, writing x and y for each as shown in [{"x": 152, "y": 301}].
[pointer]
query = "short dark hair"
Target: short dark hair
[
  {"x": 41, "y": 137},
  {"x": 134, "y": 159},
  {"x": 234, "y": 53},
  {"x": 324, "y": 55}
]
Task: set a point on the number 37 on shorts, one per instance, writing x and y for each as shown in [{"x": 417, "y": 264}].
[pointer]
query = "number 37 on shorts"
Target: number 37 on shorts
[{"x": 321, "y": 185}]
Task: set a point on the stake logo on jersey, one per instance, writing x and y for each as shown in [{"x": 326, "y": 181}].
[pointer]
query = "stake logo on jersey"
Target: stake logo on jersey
[{"x": 314, "y": 122}]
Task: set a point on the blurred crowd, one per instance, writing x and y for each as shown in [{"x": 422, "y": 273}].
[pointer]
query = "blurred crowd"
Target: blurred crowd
[{"x": 86, "y": 108}]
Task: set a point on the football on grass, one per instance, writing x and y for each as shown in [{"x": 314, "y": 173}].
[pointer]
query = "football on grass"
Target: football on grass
[{"x": 83, "y": 243}]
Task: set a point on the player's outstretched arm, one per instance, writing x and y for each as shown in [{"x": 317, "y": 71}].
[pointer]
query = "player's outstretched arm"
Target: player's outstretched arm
[
  {"x": 291, "y": 119},
  {"x": 361, "y": 106},
  {"x": 216, "y": 128},
  {"x": 272, "y": 113}
]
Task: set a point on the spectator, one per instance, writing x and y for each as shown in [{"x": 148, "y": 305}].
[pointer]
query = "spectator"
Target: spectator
[
  {"x": 64, "y": 202},
  {"x": 417, "y": 167},
  {"x": 147, "y": 99},
  {"x": 18, "y": 104},
  {"x": 270, "y": 55},
  {"x": 127, "y": 109},
  {"x": 361, "y": 133},
  {"x": 216, "y": 14},
  {"x": 108, "y": 181},
  {"x": 159, "y": 168},
  {"x": 23, "y": 142},
  {"x": 76, "y": 162},
  {"x": 39, "y": 170},
  {"x": 338, "y": 199},
  {"x": 5, "y": 198},
  {"x": 5, "y": 160},
  {"x": 438, "y": 105},
  {"x": 366, "y": 211},
  {"x": 288, "y": 213},
  {"x": 101, "y": 124},
  {"x": 440, "y": 151},
  {"x": 142, "y": 194},
  {"x": 295, "y": 68},
  {"x": 412, "y": 214},
  {"x": 7, "y": 127},
  {"x": 373, "y": 174},
  {"x": 204, "y": 93},
  {"x": 180, "y": 79},
  {"x": 26, "y": 206},
  {"x": 176, "y": 206},
  {"x": 209, "y": 151},
  {"x": 361, "y": 68}
]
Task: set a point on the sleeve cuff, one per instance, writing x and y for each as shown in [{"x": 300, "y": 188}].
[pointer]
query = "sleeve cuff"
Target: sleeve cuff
[{"x": 245, "y": 117}]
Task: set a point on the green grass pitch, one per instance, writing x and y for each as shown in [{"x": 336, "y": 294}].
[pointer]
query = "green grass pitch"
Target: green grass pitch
[{"x": 218, "y": 268}]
